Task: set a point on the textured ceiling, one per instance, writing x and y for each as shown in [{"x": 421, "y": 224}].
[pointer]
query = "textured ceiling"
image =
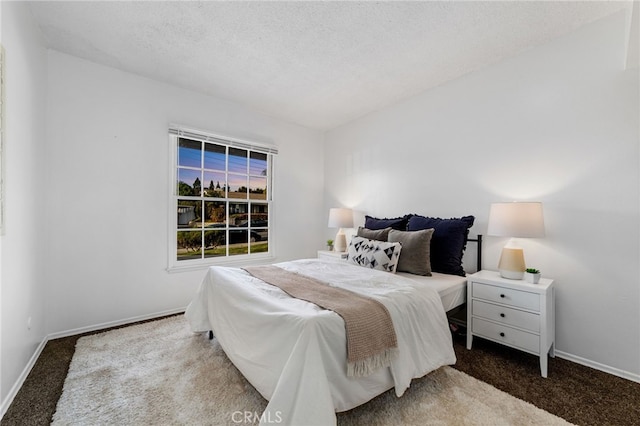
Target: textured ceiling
[{"x": 318, "y": 64}]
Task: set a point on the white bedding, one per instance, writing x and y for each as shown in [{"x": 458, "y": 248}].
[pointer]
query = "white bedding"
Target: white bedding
[{"x": 294, "y": 353}]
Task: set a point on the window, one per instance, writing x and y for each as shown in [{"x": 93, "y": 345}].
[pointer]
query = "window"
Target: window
[{"x": 221, "y": 199}]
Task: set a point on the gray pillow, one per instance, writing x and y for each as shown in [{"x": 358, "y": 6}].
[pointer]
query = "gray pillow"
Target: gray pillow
[
  {"x": 416, "y": 247},
  {"x": 374, "y": 234}
]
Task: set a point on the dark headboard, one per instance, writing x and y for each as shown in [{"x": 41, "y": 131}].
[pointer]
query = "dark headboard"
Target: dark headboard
[{"x": 478, "y": 239}]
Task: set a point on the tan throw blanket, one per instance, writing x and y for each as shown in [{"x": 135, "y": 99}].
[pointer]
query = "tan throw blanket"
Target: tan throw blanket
[{"x": 371, "y": 338}]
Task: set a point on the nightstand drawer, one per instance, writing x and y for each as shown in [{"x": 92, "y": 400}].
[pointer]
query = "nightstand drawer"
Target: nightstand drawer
[
  {"x": 506, "y": 296},
  {"x": 506, "y": 335},
  {"x": 507, "y": 316}
]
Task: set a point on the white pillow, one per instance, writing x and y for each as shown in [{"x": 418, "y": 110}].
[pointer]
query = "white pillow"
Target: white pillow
[{"x": 381, "y": 255}]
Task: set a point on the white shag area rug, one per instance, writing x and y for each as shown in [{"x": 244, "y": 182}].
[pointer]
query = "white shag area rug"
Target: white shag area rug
[{"x": 159, "y": 373}]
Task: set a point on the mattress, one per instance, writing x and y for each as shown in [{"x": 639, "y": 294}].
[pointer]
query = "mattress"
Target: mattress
[{"x": 452, "y": 289}]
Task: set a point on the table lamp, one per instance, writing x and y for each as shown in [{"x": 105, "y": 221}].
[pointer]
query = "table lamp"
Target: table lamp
[
  {"x": 340, "y": 218},
  {"x": 515, "y": 220}
]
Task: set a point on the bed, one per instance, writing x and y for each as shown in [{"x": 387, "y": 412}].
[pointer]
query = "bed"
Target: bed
[{"x": 293, "y": 352}]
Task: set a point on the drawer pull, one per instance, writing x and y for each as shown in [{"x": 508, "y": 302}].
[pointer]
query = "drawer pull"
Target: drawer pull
[
  {"x": 501, "y": 334},
  {"x": 502, "y": 295},
  {"x": 502, "y": 315}
]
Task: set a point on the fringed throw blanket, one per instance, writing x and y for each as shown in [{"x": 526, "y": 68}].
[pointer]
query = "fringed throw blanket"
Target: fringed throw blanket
[{"x": 371, "y": 338}]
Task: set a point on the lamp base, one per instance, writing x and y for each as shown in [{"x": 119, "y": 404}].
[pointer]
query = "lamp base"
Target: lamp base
[
  {"x": 511, "y": 275},
  {"x": 340, "y": 244},
  {"x": 511, "y": 265}
]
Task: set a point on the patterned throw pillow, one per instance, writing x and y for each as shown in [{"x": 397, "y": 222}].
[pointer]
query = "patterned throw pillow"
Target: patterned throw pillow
[{"x": 373, "y": 254}]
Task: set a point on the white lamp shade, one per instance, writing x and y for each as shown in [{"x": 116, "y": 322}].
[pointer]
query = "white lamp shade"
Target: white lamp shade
[
  {"x": 340, "y": 218},
  {"x": 517, "y": 219}
]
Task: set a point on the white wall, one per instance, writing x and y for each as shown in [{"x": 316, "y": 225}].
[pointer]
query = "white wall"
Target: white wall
[
  {"x": 558, "y": 124},
  {"x": 108, "y": 188},
  {"x": 21, "y": 274}
]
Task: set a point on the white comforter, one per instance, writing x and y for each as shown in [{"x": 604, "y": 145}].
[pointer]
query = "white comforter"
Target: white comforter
[{"x": 294, "y": 353}]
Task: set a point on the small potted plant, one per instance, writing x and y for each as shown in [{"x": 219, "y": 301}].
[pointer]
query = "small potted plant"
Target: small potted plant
[
  {"x": 330, "y": 245},
  {"x": 532, "y": 275}
]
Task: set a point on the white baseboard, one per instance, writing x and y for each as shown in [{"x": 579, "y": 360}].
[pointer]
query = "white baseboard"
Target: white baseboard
[
  {"x": 596, "y": 365},
  {"x": 21, "y": 378},
  {"x": 109, "y": 324},
  {"x": 32, "y": 361}
]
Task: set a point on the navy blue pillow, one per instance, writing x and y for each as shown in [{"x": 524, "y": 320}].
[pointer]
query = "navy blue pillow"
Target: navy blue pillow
[
  {"x": 447, "y": 242},
  {"x": 398, "y": 223}
]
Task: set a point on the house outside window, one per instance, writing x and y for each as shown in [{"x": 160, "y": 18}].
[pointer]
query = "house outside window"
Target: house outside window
[{"x": 221, "y": 199}]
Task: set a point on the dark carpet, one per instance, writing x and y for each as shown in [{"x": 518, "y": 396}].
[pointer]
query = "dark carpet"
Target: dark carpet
[{"x": 578, "y": 394}]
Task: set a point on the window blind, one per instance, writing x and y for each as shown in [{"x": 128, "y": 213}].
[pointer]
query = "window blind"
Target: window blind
[{"x": 209, "y": 137}]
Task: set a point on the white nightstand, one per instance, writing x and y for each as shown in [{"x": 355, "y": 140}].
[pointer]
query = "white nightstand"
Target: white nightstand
[
  {"x": 326, "y": 254},
  {"x": 512, "y": 312}
]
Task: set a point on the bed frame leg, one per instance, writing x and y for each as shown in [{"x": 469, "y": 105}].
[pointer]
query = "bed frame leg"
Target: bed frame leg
[{"x": 210, "y": 334}]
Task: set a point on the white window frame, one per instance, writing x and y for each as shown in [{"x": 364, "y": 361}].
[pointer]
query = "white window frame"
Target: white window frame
[{"x": 175, "y": 265}]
